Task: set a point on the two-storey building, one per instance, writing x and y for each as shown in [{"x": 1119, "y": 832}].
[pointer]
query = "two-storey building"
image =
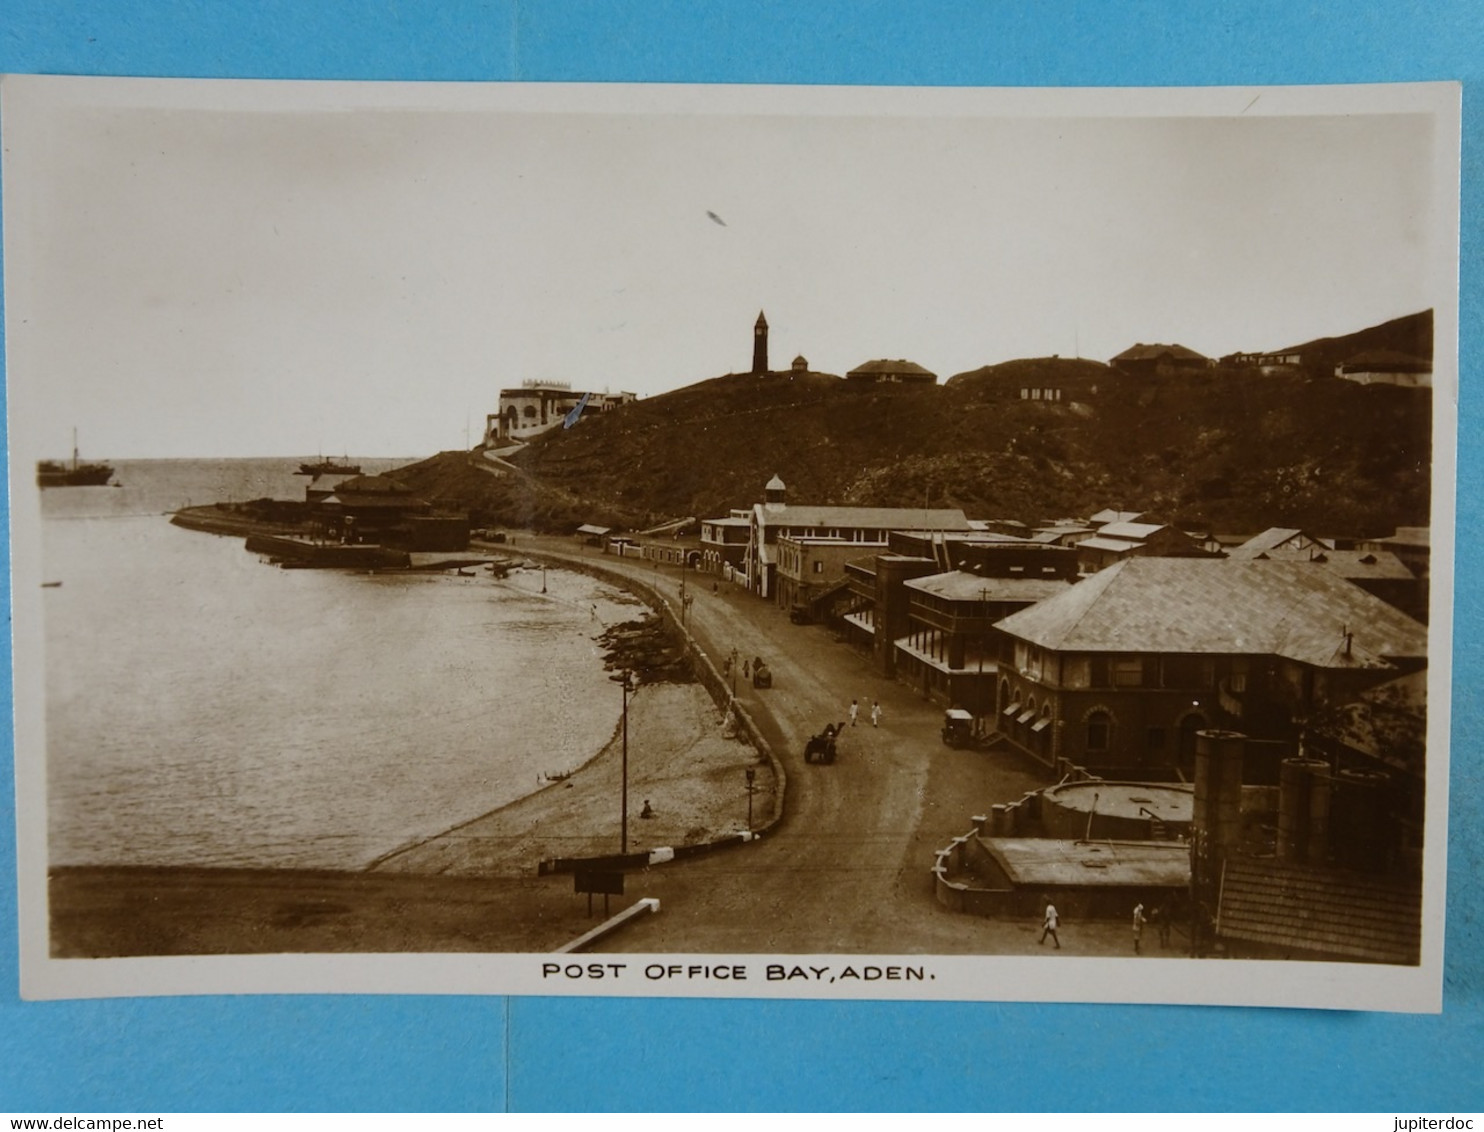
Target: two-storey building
[
  {"x": 864, "y": 528},
  {"x": 1125, "y": 667}
]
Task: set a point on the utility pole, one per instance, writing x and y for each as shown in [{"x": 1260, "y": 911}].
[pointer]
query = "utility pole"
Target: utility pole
[
  {"x": 984, "y": 700},
  {"x": 624, "y": 679}
]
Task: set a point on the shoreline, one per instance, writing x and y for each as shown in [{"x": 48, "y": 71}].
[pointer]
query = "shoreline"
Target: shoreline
[{"x": 680, "y": 761}]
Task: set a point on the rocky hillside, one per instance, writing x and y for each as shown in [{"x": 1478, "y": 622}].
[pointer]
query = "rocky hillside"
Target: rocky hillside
[
  {"x": 1222, "y": 450},
  {"x": 1411, "y": 335}
]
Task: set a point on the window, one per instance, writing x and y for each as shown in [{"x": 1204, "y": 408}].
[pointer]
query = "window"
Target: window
[
  {"x": 1098, "y": 672},
  {"x": 1188, "y": 672},
  {"x": 1099, "y": 730},
  {"x": 1128, "y": 672},
  {"x": 818, "y": 567}
]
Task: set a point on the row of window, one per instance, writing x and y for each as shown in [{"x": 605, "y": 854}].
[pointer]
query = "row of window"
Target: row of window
[{"x": 1130, "y": 670}]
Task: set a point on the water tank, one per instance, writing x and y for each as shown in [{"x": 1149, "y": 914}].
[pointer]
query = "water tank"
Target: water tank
[
  {"x": 1294, "y": 778},
  {"x": 1218, "y": 785},
  {"x": 1359, "y": 837}
]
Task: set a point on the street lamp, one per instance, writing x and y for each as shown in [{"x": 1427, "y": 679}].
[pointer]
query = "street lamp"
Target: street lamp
[
  {"x": 751, "y": 774},
  {"x": 626, "y": 680}
]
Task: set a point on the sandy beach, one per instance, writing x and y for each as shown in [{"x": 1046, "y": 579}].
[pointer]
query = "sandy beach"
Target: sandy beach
[{"x": 682, "y": 761}]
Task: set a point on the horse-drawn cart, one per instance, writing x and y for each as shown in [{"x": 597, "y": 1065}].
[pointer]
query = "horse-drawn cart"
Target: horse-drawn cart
[{"x": 821, "y": 747}]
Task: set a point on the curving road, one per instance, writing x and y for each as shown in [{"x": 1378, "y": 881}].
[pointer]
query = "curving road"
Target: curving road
[{"x": 847, "y": 870}]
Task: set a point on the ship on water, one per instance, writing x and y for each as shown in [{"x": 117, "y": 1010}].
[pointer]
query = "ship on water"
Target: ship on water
[
  {"x": 324, "y": 467},
  {"x": 53, "y": 473}
]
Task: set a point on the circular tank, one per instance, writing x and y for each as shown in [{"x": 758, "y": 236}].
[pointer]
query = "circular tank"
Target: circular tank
[
  {"x": 1295, "y": 777},
  {"x": 1358, "y": 820},
  {"x": 1131, "y": 811}
]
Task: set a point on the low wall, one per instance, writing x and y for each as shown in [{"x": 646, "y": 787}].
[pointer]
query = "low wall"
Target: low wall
[
  {"x": 979, "y": 898},
  {"x": 711, "y": 679},
  {"x": 984, "y": 889}
]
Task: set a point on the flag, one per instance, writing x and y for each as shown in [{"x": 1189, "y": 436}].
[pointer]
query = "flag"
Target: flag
[{"x": 571, "y": 418}]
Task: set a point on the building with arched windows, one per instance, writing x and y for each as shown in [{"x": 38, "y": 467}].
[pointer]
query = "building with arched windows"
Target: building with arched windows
[{"x": 538, "y": 406}]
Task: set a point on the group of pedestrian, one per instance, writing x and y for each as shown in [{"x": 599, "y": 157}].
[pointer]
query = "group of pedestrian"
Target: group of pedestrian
[
  {"x": 855, "y": 710},
  {"x": 1159, "y": 917}
]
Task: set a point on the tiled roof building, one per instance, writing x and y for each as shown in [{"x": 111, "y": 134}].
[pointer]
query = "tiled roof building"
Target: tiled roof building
[{"x": 1123, "y": 668}]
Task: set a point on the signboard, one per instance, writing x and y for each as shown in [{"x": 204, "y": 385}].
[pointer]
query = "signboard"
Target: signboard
[{"x": 590, "y": 881}]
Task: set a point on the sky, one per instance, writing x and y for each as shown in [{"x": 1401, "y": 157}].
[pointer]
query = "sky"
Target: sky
[{"x": 242, "y": 269}]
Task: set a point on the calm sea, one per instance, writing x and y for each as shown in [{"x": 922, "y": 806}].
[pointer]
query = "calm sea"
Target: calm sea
[{"x": 206, "y": 708}]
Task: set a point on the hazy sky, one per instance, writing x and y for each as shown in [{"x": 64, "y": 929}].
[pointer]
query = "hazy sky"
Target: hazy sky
[{"x": 236, "y": 280}]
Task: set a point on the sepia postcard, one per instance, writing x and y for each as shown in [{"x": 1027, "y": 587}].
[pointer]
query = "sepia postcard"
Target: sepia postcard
[{"x": 732, "y": 541}]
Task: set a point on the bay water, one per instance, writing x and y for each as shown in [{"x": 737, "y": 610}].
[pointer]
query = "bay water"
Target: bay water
[{"x": 206, "y": 708}]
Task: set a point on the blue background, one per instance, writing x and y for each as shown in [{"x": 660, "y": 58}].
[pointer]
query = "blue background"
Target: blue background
[{"x": 525, "y": 1054}]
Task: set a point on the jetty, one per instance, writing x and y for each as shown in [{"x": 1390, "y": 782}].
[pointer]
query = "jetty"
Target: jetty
[{"x": 297, "y": 553}]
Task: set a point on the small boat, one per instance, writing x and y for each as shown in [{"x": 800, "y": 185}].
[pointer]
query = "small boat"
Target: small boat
[{"x": 52, "y": 473}]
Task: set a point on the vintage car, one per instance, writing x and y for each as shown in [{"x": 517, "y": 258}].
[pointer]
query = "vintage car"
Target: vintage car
[{"x": 958, "y": 728}]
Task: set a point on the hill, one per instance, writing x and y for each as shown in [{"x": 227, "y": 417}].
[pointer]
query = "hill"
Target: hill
[
  {"x": 1211, "y": 449},
  {"x": 1411, "y": 335}
]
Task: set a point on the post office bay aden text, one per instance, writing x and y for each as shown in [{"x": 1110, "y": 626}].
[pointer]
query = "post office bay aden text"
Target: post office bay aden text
[{"x": 737, "y": 972}]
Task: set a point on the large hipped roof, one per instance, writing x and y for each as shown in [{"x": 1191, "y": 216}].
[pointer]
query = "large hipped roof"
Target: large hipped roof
[{"x": 1257, "y": 608}]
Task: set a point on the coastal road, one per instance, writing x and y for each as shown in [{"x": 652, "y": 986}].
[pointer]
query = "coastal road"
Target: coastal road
[{"x": 848, "y": 868}]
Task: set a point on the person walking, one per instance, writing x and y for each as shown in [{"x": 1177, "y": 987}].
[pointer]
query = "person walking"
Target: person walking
[
  {"x": 1139, "y": 921},
  {"x": 1049, "y": 925},
  {"x": 1159, "y": 916},
  {"x": 855, "y": 710},
  {"x": 875, "y": 713}
]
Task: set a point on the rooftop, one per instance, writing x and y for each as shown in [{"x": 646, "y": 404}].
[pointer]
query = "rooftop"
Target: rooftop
[
  {"x": 1357, "y": 565},
  {"x": 1136, "y": 532},
  {"x": 958, "y": 585},
  {"x": 891, "y": 365},
  {"x": 1113, "y": 545},
  {"x": 1125, "y": 799},
  {"x": 1046, "y": 861},
  {"x": 1192, "y": 605},
  {"x": 884, "y": 518},
  {"x": 1106, "y": 516},
  {"x": 1319, "y": 910},
  {"x": 1153, "y": 351},
  {"x": 1273, "y": 536}
]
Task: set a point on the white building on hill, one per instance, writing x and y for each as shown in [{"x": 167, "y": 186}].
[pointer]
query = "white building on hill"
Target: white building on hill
[{"x": 538, "y": 406}]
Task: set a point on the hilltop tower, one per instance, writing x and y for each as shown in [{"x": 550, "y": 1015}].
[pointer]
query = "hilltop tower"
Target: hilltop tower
[{"x": 760, "y": 345}]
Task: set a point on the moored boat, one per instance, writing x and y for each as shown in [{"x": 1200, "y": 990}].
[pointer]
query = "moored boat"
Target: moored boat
[
  {"x": 53, "y": 473},
  {"x": 328, "y": 468}
]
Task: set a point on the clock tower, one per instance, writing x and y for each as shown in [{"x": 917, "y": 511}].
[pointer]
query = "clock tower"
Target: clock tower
[{"x": 760, "y": 345}]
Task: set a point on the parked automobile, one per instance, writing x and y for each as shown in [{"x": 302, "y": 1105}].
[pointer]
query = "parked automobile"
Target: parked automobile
[{"x": 958, "y": 728}]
